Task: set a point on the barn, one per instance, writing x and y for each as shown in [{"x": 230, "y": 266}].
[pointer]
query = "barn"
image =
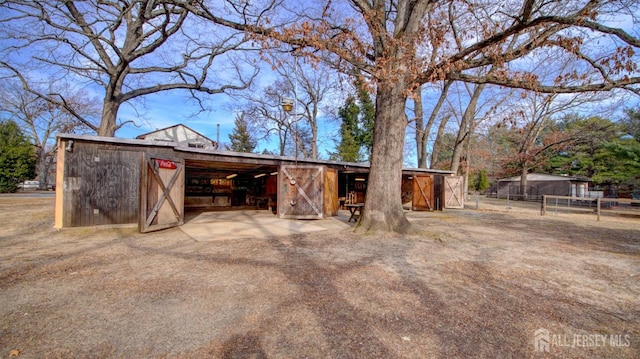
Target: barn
[{"x": 112, "y": 181}]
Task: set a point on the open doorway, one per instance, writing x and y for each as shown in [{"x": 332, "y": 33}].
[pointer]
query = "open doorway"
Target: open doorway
[{"x": 230, "y": 186}]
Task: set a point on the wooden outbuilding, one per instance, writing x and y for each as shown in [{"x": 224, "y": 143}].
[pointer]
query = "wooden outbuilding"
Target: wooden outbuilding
[
  {"x": 111, "y": 181},
  {"x": 540, "y": 184},
  {"x": 181, "y": 134}
]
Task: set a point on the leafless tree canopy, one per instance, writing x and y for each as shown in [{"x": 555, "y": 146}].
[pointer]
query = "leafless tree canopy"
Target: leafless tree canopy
[
  {"x": 405, "y": 43},
  {"x": 41, "y": 120},
  {"x": 398, "y": 44},
  {"x": 128, "y": 48}
]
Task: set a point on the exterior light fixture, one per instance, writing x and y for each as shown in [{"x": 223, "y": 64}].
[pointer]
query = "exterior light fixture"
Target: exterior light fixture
[
  {"x": 69, "y": 147},
  {"x": 360, "y": 179},
  {"x": 274, "y": 173},
  {"x": 287, "y": 104},
  {"x": 259, "y": 175},
  {"x": 232, "y": 176}
]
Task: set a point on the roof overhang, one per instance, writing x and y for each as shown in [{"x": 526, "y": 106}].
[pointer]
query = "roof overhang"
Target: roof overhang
[{"x": 208, "y": 158}]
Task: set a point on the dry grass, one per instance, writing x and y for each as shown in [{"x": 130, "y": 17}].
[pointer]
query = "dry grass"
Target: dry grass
[{"x": 477, "y": 284}]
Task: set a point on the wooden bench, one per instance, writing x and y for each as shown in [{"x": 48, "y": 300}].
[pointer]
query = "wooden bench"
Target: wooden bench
[{"x": 355, "y": 210}]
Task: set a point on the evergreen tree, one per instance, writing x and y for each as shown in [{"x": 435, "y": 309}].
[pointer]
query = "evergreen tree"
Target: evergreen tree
[
  {"x": 607, "y": 152},
  {"x": 366, "y": 119},
  {"x": 241, "y": 139},
  {"x": 17, "y": 157},
  {"x": 631, "y": 124},
  {"x": 480, "y": 181},
  {"x": 348, "y": 148}
]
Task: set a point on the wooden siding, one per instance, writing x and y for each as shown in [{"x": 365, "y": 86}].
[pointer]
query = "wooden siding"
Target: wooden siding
[
  {"x": 100, "y": 184},
  {"x": 162, "y": 191},
  {"x": 331, "y": 203},
  {"x": 59, "y": 213},
  {"x": 301, "y": 192},
  {"x": 99, "y": 178},
  {"x": 438, "y": 192},
  {"x": 423, "y": 199},
  {"x": 453, "y": 192}
]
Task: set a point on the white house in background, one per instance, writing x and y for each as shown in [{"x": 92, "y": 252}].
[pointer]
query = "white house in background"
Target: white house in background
[{"x": 182, "y": 135}]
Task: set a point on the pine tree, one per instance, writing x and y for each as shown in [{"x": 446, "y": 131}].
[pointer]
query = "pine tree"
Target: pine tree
[
  {"x": 241, "y": 139},
  {"x": 480, "y": 181},
  {"x": 366, "y": 118},
  {"x": 17, "y": 157},
  {"x": 348, "y": 149}
]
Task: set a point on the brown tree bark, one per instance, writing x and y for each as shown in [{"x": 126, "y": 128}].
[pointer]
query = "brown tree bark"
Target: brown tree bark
[
  {"x": 435, "y": 153},
  {"x": 465, "y": 126},
  {"x": 523, "y": 183},
  {"x": 422, "y": 133},
  {"x": 383, "y": 206},
  {"x": 109, "y": 124}
]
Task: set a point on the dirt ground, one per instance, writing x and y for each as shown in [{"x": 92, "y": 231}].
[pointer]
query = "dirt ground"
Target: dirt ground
[{"x": 477, "y": 284}]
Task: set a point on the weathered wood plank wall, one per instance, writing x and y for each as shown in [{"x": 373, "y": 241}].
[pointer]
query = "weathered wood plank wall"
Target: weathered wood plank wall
[
  {"x": 101, "y": 184},
  {"x": 331, "y": 203},
  {"x": 300, "y": 193}
]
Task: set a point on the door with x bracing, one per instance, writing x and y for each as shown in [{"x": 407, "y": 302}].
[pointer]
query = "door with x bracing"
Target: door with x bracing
[
  {"x": 301, "y": 192},
  {"x": 161, "y": 194}
]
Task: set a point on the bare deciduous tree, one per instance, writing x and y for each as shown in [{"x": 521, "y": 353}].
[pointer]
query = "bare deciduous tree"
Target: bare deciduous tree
[
  {"x": 389, "y": 41},
  {"x": 312, "y": 85},
  {"x": 127, "y": 48},
  {"x": 41, "y": 120},
  {"x": 264, "y": 110}
]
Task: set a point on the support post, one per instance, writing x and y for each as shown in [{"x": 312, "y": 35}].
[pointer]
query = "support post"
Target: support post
[
  {"x": 543, "y": 208},
  {"x": 598, "y": 208}
]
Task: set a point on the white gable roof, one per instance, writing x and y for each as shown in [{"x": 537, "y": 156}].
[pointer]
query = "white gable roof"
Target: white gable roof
[
  {"x": 180, "y": 134},
  {"x": 543, "y": 177}
]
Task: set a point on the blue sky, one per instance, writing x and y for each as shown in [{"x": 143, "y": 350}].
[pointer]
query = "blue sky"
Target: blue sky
[
  {"x": 174, "y": 107},
  {"x": 170, "y": 108}
]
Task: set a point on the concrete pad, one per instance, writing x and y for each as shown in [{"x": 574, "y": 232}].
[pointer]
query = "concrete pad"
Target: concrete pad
[{"x": 223, "y": 225}]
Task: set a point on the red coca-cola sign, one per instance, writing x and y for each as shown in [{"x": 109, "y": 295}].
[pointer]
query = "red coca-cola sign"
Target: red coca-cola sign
[{"x": 168, "y": 164}]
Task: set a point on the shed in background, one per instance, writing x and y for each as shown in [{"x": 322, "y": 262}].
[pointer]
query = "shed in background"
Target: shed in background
[
  {"x": 181, "y": 135},
  {"x": 539, "y": 184}
]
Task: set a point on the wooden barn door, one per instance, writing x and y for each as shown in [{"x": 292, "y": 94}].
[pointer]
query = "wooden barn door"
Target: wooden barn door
[
  {"x": 162, "y": 194},
  {"x": 423, "y": 199},
  {"x": 300, "y": 192},
  {"x": 331, "y": 203},
  {"x": 453, "y": 192}
]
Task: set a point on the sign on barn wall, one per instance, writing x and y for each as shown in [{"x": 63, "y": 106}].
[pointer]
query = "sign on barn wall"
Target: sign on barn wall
[
  {"x": 422, "y": 193},
  {"x": 168, "y": 164},
  {"x": 300, "y": 192},
  {"x": 161, "y": 194},
  {"x": 453, "y": 192}
]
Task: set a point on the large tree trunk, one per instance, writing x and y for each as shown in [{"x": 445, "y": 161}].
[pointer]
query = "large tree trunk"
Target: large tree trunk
[
  {"x": 43, "y": 168},
  {"x": 108, "y": 124},
  {"x": 314, "y": 138},
  {"x": 435, "y": 152},
  {"x": 383, "y": 206},
  {"x": 422, "y": 162},
  {"x": 523, "y": 183},
  {"x": 466, "y": 124}
]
